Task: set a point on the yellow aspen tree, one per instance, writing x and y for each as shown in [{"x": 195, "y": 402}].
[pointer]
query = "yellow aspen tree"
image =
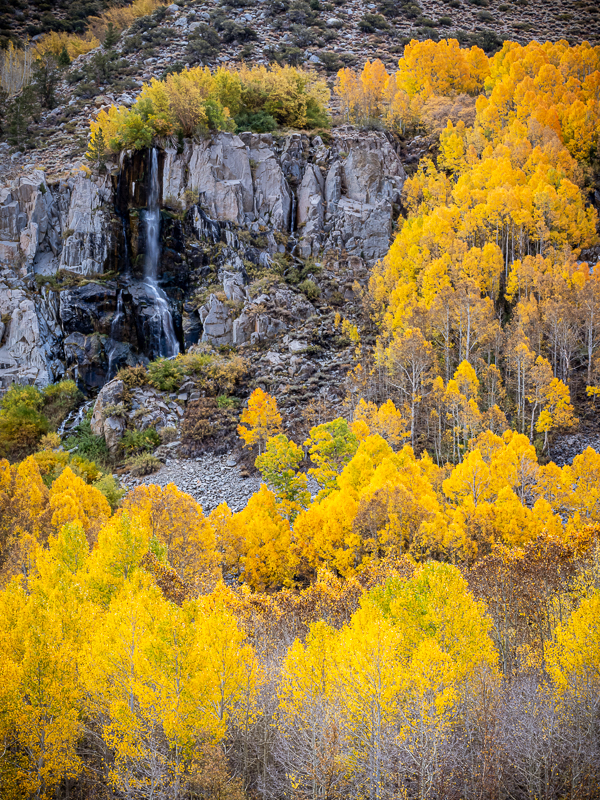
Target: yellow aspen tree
[
  {"x": 573, "y": 660},
  {"x": 261, "y": 420},
  {"x": 163, "y": 678},
  {"x": 41, "y": 634},
  {"x": 267, "y": 560},
  {"x": 330, "y": 446},
  {"x": 471, "y": 478},
  {"x": 279, "y": 467},
  {"x": 123, "y": 541},
  {"x": 175, "y": 519},
  {"x": 373, "y": 81},
  {"x": 309, "y": 717},
  {"x": 73, "y": 500},
  {"x": 558, "y": 410},
  {"x": 367, "y": 683},
  {"x": 348, "y": 89},
  {"x": 387, "y": 421}
]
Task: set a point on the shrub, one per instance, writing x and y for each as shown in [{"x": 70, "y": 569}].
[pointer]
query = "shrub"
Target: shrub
[
  {"x": 143, "y": 464},
  {"x": 223, "y": 401},
  {"x": 21, "y": 429},
  {"x": 301, "y": 12},
  {"x": 168, "y": 435},
  {"x": 18, "y": 395},
  {"x": 196, "y": 100},
  {"x": 140, "y": 441},
  {"x": 373, "y": 22},
  {"x": 331, "y": 61},
  {"x": 133, "y": 376},
  {"x": 310, "y": 289},
  {"x": 110, "y": 489},
  {"x": 59, "y": 400},
  {"x": 166, "y": 375},
  {"x": 286, "y": 54},
  {"x": 205, "y": 43},
  {"x": 86, "y": 469},
  {"x": 261, "y": 122},
  {"x": 54, "y": 43},
  {"x": 87, "y": 444},
  {"x": 197, "y": 424}
]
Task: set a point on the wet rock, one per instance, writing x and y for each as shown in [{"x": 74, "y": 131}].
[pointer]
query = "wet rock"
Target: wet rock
[{"x": 86, "y": 360}]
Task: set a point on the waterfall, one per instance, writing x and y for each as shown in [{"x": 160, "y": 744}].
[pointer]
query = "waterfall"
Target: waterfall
[
  {"x": 114, "y": 333},
  {"x": 162, "y": 319},
  {"x": 293, "y": 239},
  {"x": 74, "y": 418}
]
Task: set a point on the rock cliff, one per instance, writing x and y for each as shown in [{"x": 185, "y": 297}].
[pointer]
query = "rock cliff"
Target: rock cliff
[{"x": 234, "y": 208}]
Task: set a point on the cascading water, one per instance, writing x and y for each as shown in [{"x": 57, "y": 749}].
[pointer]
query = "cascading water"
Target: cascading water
[
  {"x": 293, "y": 238},
  {"x": 74, "y": 418},
  {"x": 161, "y": 319},
  {"x": 115, "y": 329}
]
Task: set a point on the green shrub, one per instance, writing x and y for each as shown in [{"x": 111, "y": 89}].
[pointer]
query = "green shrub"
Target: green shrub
[
  {"x": 21, "y": 429},
  {"x": 373, "y": 22},
  {"x": 86, "y": 469},
  {"x": 17, "y": 395},
  {"x": 140, "y": 441},
  {"x": 143, "y": 464},
  {"x": 331, "y": 61},
  {"x": 309, "y": 289},
  {"x": 87, "y": 444},
  {"x": 133, "y": 377},
  {"x": 166, "y": 375},
  {"x": 260, "y": 122},
  {"x": 59, "y": 400},
  {"x": 110, "y": 489},
  {"x": 223, "y": 401}
]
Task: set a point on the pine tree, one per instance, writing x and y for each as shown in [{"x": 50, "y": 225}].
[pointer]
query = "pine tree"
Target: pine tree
[
  {"x": 20, "y": 113},
  {"x": 111, "y": 37},
  {"x": 63, "y": 58},
  {"x": 45, "y": 79},
  {"x": 96, "y": 152}
]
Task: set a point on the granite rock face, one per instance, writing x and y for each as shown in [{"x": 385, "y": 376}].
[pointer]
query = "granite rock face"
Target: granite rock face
[
  {"x": 333, "y": 197},
  {"x": 63, "y": 226},
  {"x": 249, "y": 197}
]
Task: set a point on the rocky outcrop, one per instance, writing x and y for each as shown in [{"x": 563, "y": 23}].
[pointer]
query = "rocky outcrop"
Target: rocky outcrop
[
  {"x": 66, "y": 225},
  {"x": 242, "y": 200},
  {"x": 86, "y": 228},
  {"x": 147, "y": 406},
  {"x": 103, "y": 422},
  {"x": 217, "y": 321},
  {"x": 30, "y": 336},
  {"x": 338, "y": 196}
]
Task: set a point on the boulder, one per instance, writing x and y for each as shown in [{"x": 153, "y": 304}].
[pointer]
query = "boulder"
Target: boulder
[
  {"x": 243, "y": 328},
  {"x": 111, "y": 427},
  {"x": 233, "y": 286},
  {"x": 217, "y": 322}
]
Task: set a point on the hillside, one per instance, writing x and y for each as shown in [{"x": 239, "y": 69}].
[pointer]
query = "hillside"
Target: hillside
[
  {"x": 326, "y": 36},
  {"x": 299, "y": 373}
]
